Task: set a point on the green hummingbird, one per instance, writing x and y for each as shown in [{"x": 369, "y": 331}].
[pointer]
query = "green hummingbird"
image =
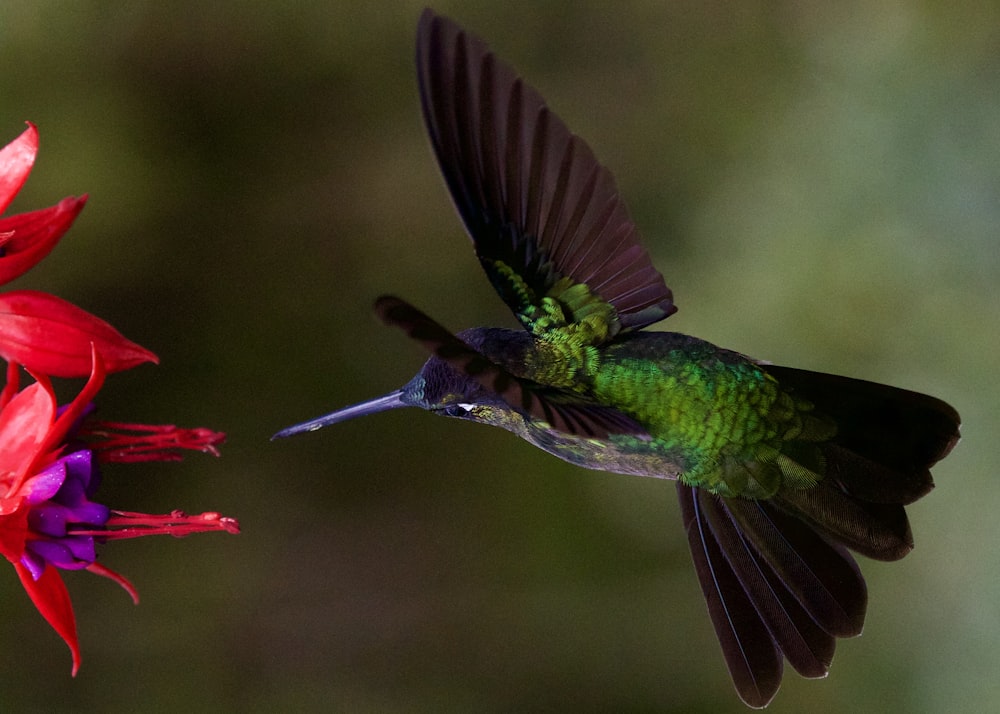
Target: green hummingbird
[{"x": 779, "y": 471}]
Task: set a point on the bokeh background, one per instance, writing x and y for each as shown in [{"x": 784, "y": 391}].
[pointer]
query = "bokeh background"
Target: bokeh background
[{"x": 819, "y": 185}]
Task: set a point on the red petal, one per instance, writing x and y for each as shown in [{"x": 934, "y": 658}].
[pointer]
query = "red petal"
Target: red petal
[
  {"x": 13, "y": 384},
  {"x": 72, "y": 413},
  {"x": 125, "y": 583},
  {"x": 16, "y": 160},
  {"x": 26, "y": 238},
  {"x": 50, "y": 336},
  {"x": 24, "y": 426},
  {"x": 13, "y": 534},
  {"x": 52, "y": 600}
]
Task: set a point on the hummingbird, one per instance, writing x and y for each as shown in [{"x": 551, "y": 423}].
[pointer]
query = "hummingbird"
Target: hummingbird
[{"x": 780, "y": 472}]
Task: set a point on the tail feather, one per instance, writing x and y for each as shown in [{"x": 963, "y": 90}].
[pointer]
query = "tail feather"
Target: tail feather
[
  {"x": 878, "y": 460},
  {"x": 901, "y": 430},
  {"x": 870, "y": 481},
  {"x": 876, "y": 530},
  {"x": 776, "y": 573}
]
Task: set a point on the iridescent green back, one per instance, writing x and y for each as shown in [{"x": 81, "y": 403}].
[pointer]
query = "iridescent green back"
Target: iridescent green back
[{"x": 741, "y": 433}]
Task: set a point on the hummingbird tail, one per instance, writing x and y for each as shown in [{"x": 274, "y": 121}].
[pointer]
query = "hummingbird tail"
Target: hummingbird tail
[
  {"x": 878, "y": 462},
  {"x": 776, "y": 574}
]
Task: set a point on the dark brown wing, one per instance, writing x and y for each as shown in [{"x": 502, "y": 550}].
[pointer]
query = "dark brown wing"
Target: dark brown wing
[
  {"x": 774, "y": 588},
  {"x": 537, "y": 204},
  {"x": 565, "y": 412}
]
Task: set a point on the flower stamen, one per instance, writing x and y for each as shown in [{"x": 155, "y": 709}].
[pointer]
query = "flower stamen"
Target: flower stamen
[
  {"x": 128, "y": 524},
  {"x": 130, "y": 443}
]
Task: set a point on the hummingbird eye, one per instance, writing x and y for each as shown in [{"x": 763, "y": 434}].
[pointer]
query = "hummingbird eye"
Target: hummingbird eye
[{"x": 457, "y": 410}]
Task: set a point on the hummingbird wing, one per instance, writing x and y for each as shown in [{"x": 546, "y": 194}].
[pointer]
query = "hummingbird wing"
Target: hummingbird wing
[
  {"x": 566, "y": 412},
  {"x": 546, "y": 219},
  {"x": 774, "y": 587}
]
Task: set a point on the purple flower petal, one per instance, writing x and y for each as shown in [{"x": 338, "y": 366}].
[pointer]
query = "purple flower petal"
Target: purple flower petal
[
  {"x": 46, "y": 484},
  {"x": 34, "y": 563},
  {"x": 49, "y": 520},
  {"x": 66, "y": 553}
]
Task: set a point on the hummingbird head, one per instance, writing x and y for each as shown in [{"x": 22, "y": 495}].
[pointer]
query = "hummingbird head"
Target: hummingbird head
[
  {"x": 439, "y": 388},
  {"x": 442, "y": 389}
]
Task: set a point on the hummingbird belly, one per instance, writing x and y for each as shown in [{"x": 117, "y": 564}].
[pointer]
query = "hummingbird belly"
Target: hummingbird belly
[{"x": 619, "y": 453}]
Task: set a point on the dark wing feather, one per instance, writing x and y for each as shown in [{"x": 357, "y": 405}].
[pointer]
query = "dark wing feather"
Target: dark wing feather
[
  {"x": 537, "y": 204},
  {"x": 751, "y": 655},
  {"x": 806, "y": 645},
  {"x": 823, "y": 577},
  {"x": 566, "y": 412},
  {"x": 773, "y": 586}
]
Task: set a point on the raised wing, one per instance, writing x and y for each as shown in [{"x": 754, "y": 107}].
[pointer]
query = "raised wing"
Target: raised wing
[{"x": 548, "y": 225}]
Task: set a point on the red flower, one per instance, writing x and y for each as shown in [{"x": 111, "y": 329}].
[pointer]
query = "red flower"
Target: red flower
[
  {"x": 49, "y": 456},
  {"x": 48, "y": 476},
  {"x": 42, "y": 332}
]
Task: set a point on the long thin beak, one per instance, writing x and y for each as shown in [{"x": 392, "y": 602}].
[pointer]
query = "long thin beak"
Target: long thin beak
[{"x": 393, "y": 400}]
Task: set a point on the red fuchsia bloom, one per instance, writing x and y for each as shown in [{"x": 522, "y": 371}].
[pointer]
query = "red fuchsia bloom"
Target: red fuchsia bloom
[
  {"x": 40, "y": 331},
  {"x": 48, "y": 478},
  {"x": 49, "y": 455}
]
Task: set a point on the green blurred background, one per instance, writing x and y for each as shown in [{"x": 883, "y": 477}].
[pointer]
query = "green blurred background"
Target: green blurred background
[{"x": 820, "y": 186}]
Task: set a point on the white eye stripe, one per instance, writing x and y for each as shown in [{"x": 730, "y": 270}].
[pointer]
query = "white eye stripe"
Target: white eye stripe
[{"x": 458, "y": 410}]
